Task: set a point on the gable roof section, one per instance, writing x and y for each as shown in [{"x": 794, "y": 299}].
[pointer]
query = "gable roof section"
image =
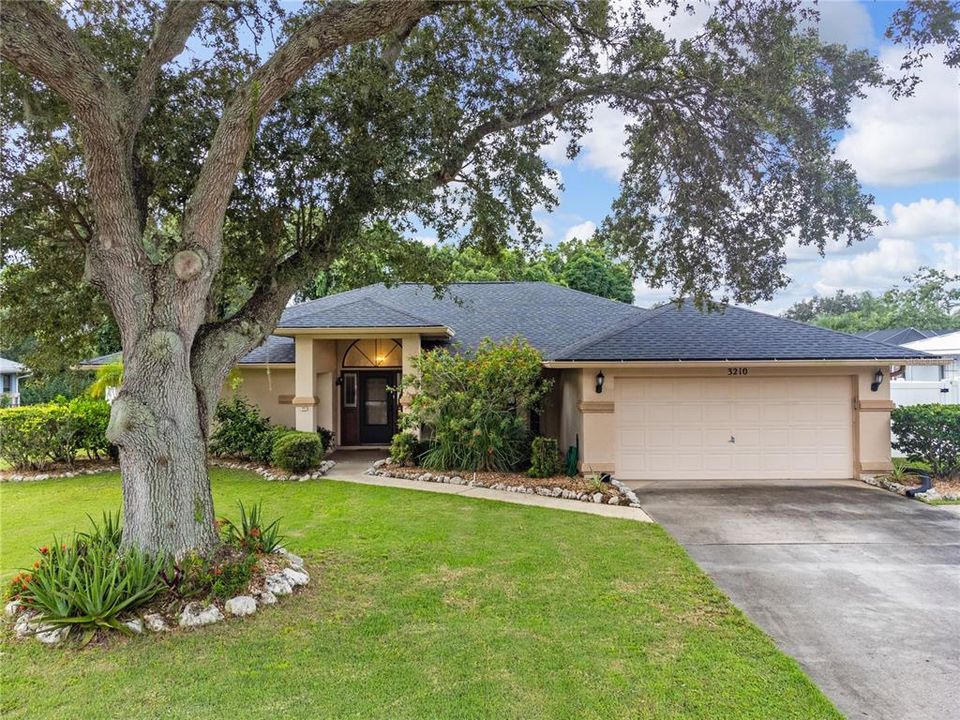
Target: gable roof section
[
  {"x": 361, "y": 312},
  {"x": 548, "y": 316},
  {"x": 670, "y": 333},
  {"x": 274, "y": 350}
]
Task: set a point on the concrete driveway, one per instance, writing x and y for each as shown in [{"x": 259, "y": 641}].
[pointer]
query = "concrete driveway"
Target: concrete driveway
[{"x": 862, "y": 587}]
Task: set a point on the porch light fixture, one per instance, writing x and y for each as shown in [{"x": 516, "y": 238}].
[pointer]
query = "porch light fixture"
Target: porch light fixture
[
  {"x": 600, "y": 382},
  {"x": 877, "y": 380}
]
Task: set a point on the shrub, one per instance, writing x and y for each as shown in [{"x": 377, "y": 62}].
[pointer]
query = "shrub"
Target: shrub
[
  {"x": 544, "y": 458},
  {"x": 263, "y": 452},
  {"x": 327, "y": 436},
  {"x": 33, "y": 436},
  {"x": 476, "y": 407},
  {"x": 239, "y": 428},
  {"x": 405, "y": 448},
  {"x": 252, "y": 533},
  {"x": 929, "y": 434},
  {"x": 297, "y": 452},
  {"x": 88, "y": 583}
]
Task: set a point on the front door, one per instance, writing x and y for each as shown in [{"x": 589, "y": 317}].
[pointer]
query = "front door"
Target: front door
[{"x": 378, "y": 407}]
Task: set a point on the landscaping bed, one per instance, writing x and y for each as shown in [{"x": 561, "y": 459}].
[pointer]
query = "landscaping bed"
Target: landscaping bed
[
  {"x": 80, "y": 466},
  {"x": 944, "y": 489},
  {"x": 559, "y": 486}
]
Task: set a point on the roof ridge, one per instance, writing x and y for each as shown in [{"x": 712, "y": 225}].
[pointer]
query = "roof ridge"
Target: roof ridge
[
  {"x": 612, "y": 329},
  {"x": 390, "y": 306}
]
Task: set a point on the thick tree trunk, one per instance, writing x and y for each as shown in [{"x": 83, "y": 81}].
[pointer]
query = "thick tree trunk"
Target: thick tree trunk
[{"x": 158, "y": 424}]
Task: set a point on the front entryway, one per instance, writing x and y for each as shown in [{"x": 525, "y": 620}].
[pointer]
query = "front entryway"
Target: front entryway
[{"x": 377, "y": 407}]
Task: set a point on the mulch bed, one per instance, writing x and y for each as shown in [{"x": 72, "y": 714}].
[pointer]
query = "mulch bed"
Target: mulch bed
[{"x": 488, "y": 479}]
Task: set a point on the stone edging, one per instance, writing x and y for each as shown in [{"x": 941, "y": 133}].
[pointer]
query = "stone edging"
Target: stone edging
[
  {"x": 56, "y": 475},
  {"x": 895, "y": 487},
  {"x": 625, "y": 496},
  {"x": 193, "y": 614}
]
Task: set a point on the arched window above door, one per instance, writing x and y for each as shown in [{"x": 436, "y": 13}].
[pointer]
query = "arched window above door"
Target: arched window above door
[{"x": 373, "y": 353}]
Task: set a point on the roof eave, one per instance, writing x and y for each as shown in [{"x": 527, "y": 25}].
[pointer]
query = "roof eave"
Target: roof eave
[{"x": 756, "y": 362}]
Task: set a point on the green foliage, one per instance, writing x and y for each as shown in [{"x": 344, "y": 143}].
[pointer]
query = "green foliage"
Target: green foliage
[
  {"x": 544, "y": 457},
  {"x": 298, "y": 452},
  {"x": 327, "y": 436},
  {"x": 239, "y": 429},
  {"x": 44, "y": 387},
  {"x": 108, "y": 375},
  {"x": 33, "y": 436},
  {"x": 476, "y": 408},
  {"x": 263, "y": 450},
  {"x": 223, "y": 575},
  {"x": 929, "y": 434},
  {"x": 405, "y": 448},
  {"x": 930, "y": 300},
  {"x": 90, "y": 583},
  {"x": 591, "y": 270},
  {"x": 253, "y": 533}
]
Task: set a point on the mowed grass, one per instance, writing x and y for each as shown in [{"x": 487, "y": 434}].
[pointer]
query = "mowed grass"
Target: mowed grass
[{"x": 421, "y": 606}]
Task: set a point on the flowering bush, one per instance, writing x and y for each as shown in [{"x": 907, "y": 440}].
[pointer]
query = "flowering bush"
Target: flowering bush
[
  {"x": 252, "y": 533},
  {"x": 476, "y": 408}
]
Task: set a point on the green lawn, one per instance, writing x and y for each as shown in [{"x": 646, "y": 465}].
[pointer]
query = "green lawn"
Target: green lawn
[{"x": 422, "y": 606}]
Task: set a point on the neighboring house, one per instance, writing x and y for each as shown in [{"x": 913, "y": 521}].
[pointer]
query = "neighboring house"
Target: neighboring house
[
  {"x": 646, "y": 394},
  {"x": 10, "y": 374},
  {"x": 915, "y": 385},
  {"x": 899, "y": 336}
]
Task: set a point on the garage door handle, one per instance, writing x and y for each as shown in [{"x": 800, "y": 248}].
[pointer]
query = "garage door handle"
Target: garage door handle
[{"x": 732, "y": 439}]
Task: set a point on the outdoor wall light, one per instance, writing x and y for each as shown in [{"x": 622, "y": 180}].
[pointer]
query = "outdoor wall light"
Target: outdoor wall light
[
  {"x": 600, "y": 381},
  {"x": 877, "y": 380}
]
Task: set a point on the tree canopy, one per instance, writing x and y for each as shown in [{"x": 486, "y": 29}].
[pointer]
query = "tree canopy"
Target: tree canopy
[{"x": 929, "y": 300}]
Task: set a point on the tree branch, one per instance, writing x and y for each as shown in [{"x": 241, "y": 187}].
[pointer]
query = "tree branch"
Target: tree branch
[{"x": 169, "y": 38}]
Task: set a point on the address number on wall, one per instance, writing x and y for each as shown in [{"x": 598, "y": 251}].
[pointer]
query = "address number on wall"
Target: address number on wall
[{"x": 737, "y": 371}]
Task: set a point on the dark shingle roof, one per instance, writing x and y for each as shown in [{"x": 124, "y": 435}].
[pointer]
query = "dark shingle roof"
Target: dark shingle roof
[
  {"x": 899, "y": 336},
  {"x": 548, "y": 316},
  {"x": 107, "y": 359},
  {"x": 685, "y": 333},
  {"x": 275, "y": 349}
]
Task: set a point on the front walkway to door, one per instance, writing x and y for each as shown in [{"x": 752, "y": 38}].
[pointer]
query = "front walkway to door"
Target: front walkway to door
[{"x": 862, "y": 587}]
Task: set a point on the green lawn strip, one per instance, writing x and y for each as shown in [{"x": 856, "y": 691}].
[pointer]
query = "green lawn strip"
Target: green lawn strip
[{"x": 421, "y": 606}]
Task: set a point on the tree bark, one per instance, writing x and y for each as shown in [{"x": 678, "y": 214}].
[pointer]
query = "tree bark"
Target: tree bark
[{"x": 158, "y": 425}]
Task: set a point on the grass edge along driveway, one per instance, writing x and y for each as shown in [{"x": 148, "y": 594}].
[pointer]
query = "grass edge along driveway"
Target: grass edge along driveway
[{"x": 421, "y": 606}]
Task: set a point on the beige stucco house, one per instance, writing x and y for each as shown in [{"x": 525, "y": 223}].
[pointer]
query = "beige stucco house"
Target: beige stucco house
[{"x": 644, "y": 394}]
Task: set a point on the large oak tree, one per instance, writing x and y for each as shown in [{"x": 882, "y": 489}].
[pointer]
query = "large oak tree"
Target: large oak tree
[{"x": 202, "y": 180}]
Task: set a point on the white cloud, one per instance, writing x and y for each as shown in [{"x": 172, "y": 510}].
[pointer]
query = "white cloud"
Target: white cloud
[
  {"x": 430, "y": 240},
  {"x": 879, "y": 268},
  {"x": 911, "y": 140},
  {"x": 845, "y": 22},
  {"x": 925, "y": 219},
  {"x": 949, "y": 257},
  {"x": 581, "y": 231}
]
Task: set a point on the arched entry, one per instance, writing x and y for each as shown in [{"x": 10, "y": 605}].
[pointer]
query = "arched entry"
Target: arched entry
[{"x": 368, "y": 405}]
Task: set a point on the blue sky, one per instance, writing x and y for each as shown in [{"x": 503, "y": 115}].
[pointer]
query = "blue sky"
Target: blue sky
[{"x": 906, "y": 153}]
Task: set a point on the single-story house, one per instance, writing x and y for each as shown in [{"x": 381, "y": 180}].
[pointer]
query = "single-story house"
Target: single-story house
[
  {"x": 646, "y": 394},
  {"x": 922, "y": 384},
  {"x": 10, "y": 374}
]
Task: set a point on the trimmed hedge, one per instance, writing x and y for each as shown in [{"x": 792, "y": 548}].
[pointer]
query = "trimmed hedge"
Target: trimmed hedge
[
  {"x": 34, "y": 436},
  {"x": 544, "y": 458},
  {"x": 298, "y": 452},
  {"x": 930, "y": 434}
]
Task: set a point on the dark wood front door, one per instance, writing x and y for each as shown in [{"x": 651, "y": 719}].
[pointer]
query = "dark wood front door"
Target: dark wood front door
[{"x": 378, "y": 407}]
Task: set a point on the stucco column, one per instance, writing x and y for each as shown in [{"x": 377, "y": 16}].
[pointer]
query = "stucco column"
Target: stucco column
[
  {"x": 410, "y": 350},
  {"x": 872, "y": 408},
  {"x": 305, "y": 399}
]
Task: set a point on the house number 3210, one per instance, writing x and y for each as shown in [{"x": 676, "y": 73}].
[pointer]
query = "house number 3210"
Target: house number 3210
[{"x": 737, "y": 371}]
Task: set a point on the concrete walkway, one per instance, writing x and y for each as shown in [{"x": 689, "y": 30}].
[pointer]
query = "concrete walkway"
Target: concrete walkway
[{"x": 351, "y": 465}]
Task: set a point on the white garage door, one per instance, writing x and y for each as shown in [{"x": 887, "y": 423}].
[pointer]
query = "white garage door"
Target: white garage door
[{"x": 734, "y": 428}]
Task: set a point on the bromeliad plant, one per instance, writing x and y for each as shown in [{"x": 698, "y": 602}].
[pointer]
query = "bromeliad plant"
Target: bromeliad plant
[
  {"x": 89, "y": 583},
  {"x": 252, "y": 534}
]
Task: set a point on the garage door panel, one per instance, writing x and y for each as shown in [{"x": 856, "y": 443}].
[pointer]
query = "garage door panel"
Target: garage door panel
[{"x": 789, "y": 427}]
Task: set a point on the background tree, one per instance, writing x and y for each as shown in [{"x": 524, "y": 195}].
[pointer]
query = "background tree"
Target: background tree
[
  {"x": 216, "y": 186},
  {"x": 930, "y": 300}
]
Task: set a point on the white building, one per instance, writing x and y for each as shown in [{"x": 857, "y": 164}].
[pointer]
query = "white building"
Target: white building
[
  {"x": 919, "y": 384},
  {"x": 10, "y": 374}
]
